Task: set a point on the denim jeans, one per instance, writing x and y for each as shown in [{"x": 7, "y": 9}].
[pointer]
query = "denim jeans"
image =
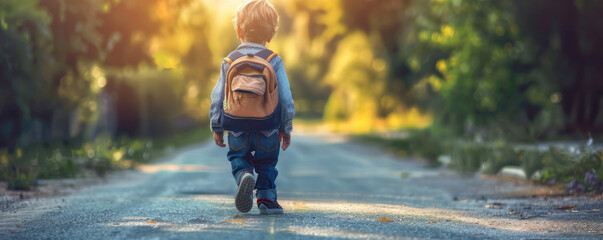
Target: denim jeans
[{"x": 265, "y": 148}]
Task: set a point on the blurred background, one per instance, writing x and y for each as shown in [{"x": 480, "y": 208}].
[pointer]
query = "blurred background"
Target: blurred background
[{"x": 103, "y": 84}]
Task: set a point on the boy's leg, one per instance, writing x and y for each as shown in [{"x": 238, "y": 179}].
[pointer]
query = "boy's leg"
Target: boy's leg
[
  {"x": 239, "y": 156},
  {"x": 267, "y": 173},
  {"x": 264, "y": 162}
]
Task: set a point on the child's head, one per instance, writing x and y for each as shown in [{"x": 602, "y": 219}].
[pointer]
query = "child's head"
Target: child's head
[{"x": 256, "y": 21}]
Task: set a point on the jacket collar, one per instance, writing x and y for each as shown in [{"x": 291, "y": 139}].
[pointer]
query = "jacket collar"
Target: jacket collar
[{"x": 251, "y": 45}]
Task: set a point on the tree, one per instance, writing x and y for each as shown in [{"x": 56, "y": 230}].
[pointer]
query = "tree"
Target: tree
[
  {"x": 25, "y": 59},
  {"x": 55, "y": 52},
  {"x": 566, "y": 37}
]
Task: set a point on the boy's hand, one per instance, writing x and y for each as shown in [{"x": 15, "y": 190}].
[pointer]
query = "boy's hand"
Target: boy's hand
[
  {"x": 219, "y": 139},
  {"x": 285, "y": 138}
]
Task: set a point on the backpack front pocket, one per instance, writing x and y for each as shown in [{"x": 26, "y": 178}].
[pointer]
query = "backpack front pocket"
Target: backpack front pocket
[
  {"x": 254, "y": 84},
  {"x": 248, "y": 96}
]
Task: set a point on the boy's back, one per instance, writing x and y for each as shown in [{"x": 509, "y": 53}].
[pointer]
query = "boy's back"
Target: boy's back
[
  {"x": 256, "y": 22},
  {"x": 251, "y": 92}
]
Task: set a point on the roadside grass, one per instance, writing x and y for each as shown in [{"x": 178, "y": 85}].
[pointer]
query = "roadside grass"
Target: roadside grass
[
  {"x": 77, "y": 158},
  {"x": 422, "y": 143},
  {"x": 579, "y": 169}
]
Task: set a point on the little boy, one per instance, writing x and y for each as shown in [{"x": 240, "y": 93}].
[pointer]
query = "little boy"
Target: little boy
[{"x": 256, "y": 22}]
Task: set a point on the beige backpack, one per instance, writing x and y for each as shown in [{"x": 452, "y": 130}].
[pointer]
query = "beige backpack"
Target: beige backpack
[{"x": 250, "y": 92}]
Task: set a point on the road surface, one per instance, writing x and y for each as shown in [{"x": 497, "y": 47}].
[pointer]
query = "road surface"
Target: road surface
[{"x": 330, "y": 188}]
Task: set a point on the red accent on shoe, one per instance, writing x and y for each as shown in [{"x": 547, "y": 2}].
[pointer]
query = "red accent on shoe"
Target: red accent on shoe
[{"x": 262, "y": 200}]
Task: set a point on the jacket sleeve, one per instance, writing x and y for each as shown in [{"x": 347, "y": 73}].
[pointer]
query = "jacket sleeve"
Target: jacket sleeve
[
  {"x": 285, "y": 97},
  {"x": 217, "y": 101}
]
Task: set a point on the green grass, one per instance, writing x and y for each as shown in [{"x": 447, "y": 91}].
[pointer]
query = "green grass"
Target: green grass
[
  {"x": 184, "y": 139},
  {"x": 419, "y": 143},
  {"x": 76, "y": 158},
  {"x": 555, "y": 165}
]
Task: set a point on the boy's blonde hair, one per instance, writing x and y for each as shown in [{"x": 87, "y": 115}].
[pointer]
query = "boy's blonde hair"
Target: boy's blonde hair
[{"x": 257, "y": 20}]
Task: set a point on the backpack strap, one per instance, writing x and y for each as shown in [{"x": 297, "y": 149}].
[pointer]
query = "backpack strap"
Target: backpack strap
[
  {"x": 266, "y": 54},
  {"x": 233, "y": 56}
]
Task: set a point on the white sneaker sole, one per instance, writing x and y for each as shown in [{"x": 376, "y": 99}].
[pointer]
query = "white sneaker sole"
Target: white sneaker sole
[{"x": 244, "y": 197}]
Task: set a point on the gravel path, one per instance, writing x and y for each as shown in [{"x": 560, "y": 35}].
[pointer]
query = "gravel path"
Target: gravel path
[{"x": 330, "y": 189}]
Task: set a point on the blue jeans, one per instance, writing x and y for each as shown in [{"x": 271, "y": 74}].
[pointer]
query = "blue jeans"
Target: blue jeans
[{"x": 263, "y": 160}]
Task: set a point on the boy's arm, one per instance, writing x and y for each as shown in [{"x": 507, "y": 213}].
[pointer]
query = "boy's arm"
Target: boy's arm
[
  {"x": 285, "y": 98},
  {"x": 217, "y": 99}
]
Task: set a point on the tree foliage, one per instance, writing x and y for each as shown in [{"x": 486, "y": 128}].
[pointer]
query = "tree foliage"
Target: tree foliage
[
  {"x": 524, "y": 68},
  {"x": 24, "y": 49},
  {"x": 502, "y": 66}
]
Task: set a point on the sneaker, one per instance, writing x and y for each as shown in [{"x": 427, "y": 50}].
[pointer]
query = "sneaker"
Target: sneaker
[
  {"x": 269, "y": 207},
  {"x": 244, "y": 197}
]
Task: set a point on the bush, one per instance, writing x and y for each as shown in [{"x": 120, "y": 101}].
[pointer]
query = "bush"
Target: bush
[
  {"x": 580, "y": 170},
  {"x": 104, "y": 154},
  {"x": 67, "y": 159},
  {"x": 500, "y": 155},
  {"x": 58, "y": 159},
  {"x": 531, "y": 161},
  {"x": 21, "y": 170},
  {"x": 419, "y": 143},
  {"x": 468, "y": 157},
  {"x": 425, "y": 144}
]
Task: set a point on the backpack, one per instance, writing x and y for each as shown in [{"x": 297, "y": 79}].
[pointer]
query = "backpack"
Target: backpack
[{"x": 250, "y": 93}]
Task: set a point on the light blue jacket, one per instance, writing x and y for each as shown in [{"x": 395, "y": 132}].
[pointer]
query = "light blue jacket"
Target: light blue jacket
[{"x": 284, "y": 91}]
